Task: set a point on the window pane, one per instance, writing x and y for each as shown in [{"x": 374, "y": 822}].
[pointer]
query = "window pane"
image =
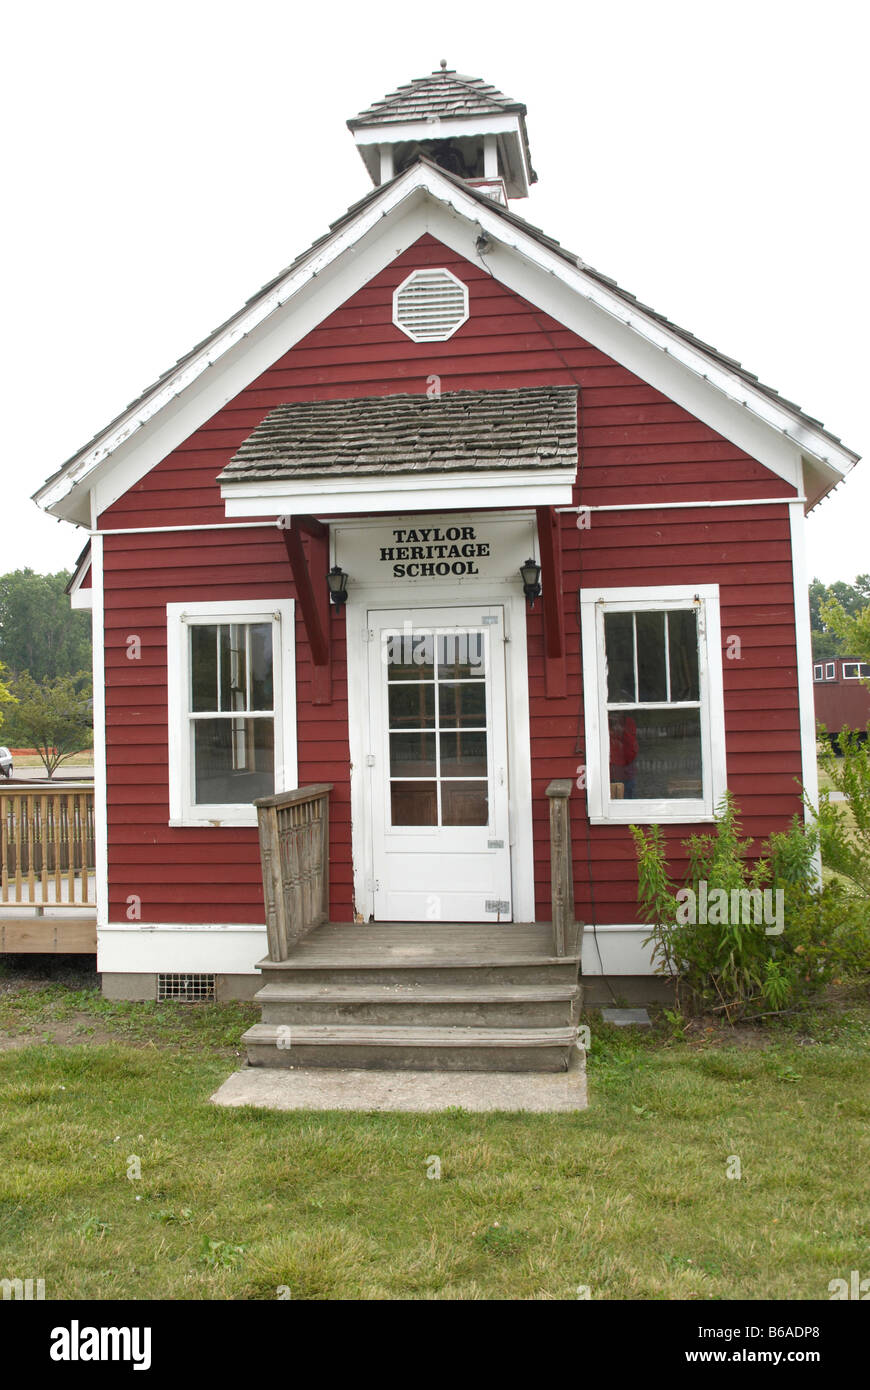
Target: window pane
[
  {"x": 262, "y": 689},
  {"x": 412, "y": 755},
  {"x": 462, "y": 705},
  {"x": 412, "y": 706},
  {"x": 234, "y": 760},
  {"x": 619, "y": 646},
  {"x": 464, "y": 803},
  {"x": 655, "y": 753},
  {"x": 461, "y": 655},
  {"x": 203, "y": 667},
  {"x": 651, "y": 678},
  {"x": 414, "y": 803},
  {"x": 233, "y": 666},
  {"x": 410, "y": 656},
  {"x": 683, "y": 647},
  {"x": 463, "y": 754}
]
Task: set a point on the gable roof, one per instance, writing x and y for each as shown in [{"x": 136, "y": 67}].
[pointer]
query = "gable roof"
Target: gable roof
[
  {"x": 425, "y": 176},
  {"x": 525, "y": 428}
]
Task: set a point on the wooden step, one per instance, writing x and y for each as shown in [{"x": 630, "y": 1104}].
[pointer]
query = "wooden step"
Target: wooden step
[
  {"x": 424, "y": 1048},
  {"x": 452, "y": 1003},
  {"x": 430, "y": 953}
]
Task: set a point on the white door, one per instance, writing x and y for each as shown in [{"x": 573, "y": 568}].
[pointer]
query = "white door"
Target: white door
[{"x": 438, "y": 765}]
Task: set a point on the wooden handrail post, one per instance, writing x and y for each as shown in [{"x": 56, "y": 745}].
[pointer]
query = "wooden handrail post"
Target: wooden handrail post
[
  {"x": 294, "y": 858},
  {"x": 561, "y": 866}
]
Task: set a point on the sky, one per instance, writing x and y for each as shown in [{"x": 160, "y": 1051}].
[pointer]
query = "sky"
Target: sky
[{"x": 164, "y": 160}]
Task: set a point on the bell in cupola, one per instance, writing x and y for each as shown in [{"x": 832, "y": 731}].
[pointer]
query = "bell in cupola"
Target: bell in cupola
[{"x": 462, "y": 124}]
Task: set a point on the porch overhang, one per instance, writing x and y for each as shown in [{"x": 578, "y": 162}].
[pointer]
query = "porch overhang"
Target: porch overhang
[{"x": 404, "y": 452}]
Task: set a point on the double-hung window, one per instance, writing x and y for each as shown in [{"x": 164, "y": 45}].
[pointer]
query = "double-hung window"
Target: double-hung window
[
  {"x": 232, "y": 719},
  {"x": 653, "y": 702}
]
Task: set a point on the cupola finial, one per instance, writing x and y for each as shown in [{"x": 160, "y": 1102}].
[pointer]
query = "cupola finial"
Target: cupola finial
[{"x": 443, "y": 64}]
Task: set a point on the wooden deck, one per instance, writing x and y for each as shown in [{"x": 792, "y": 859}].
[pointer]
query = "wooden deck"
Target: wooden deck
[
  {"x": 385, "y": 944},
  {"x": 68, "y": 933}
]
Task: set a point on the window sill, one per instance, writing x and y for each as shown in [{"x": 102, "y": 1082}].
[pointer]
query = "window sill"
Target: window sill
[
  {"x": 641, "y": 817},
  {"x": 216, "y": 822}
]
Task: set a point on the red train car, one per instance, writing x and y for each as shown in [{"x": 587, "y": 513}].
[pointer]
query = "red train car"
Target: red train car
[{"x": 842, "y": 698}]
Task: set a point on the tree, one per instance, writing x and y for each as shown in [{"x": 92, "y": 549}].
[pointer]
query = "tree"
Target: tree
[
  {"x": 6, "y": 696},
  {"x": 829, "y": 641},
  {"x": 852, "y": 627},
  {"x": 39, "y": 632},
  {"x": 54, "y": 717}
]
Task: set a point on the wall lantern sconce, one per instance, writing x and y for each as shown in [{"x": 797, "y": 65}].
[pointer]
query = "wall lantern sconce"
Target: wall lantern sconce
[
  {"x": 336, "y": 582},
  {"x": 531, "y": 574}
]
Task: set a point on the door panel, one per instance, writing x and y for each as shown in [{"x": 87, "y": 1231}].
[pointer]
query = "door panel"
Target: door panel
[{"x": 438, "y": 793}]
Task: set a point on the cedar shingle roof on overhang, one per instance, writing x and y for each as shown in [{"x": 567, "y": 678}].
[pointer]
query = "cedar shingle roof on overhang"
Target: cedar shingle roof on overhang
[
  {"x": 529, "y": 428},
  {"x": 402, "y": 448}
]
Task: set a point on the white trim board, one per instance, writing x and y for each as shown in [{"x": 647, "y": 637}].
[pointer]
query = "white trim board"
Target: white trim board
[
  {"x": 422, "y": 198},
  {"x": 101, "y": 809},
  {"x": 539, "y": 487},
  {"x": 216, "y": 948}
]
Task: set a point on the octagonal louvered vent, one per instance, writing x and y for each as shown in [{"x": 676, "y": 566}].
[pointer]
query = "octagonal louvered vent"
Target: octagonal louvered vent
[{"x": 430, "y": 305}]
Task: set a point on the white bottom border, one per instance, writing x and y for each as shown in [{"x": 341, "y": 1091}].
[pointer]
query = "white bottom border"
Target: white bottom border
[{"x": 234, "y": 949}]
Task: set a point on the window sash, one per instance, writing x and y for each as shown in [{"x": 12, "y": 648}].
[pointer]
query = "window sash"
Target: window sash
[
  {"x": 603, "y": 808},
  {"x": 183, "y": 720}
]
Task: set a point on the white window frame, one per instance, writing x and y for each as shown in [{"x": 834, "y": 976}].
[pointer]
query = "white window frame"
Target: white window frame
[
  {"x": 818, "y": 671},
  {"x": 849, "y": 666},
  {"x": 602, "y": 808},
  {"x": 183, "y": 810},
  {"x": 831, "y": 671}
]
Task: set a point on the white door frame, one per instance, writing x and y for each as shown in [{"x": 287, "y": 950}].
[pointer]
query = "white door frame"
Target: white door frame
[{"x": 442, "y": 594}]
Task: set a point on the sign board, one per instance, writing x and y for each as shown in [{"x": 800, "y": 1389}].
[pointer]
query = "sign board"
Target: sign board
[{"x": 433, "y": 550}]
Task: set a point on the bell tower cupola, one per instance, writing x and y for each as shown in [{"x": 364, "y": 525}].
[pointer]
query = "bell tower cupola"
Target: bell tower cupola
[{"x": 462, "y": 124}]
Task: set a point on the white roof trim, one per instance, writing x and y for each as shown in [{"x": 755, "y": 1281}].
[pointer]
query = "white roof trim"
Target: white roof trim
[
  {"x": 424, "y": 177},
  {"x": 537, "y": 487}
]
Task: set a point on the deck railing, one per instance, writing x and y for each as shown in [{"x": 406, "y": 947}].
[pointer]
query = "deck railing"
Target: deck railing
[
  {"x": 294, "y": 856},
  {"x": 47, "y": 847},
  {"x": 561, "y": 867}
]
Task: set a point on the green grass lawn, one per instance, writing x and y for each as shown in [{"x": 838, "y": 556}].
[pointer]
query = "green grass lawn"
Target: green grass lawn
[{"x": 630, "y": 1198}]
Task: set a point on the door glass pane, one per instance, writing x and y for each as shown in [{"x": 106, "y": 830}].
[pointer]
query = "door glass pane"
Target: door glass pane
[
  {"x": 462, "y": 706},
  {"x": 619, "y": 646},
  {"x": 464, "y": 803},
  {"x": 651, "y": 678},
  {"x": 410, "y": 656},
  {"x": 414, "y": 803},
  {"x": 683, "y": 651},
  {"x": 262, "y": 693},
  {"x": 463, "y": 754},
  {"x": 203, "y": 667},
  {"x": 461, "y": 655},
  {"x": 412, "y": 755},
  {"x": 234, "y": 760},
  {"x": 412, "y": 705}
]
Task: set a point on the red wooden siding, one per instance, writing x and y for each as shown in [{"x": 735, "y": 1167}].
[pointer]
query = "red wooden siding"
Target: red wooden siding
[{"x": 637, "y": 446}]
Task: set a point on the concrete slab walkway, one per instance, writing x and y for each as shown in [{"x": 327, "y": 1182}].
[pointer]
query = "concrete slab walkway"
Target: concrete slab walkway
[{"x": 320, "y": 1088}]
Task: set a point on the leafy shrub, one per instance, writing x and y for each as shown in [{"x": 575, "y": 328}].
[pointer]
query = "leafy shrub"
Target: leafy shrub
[{"x": 739, "y": 966}]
